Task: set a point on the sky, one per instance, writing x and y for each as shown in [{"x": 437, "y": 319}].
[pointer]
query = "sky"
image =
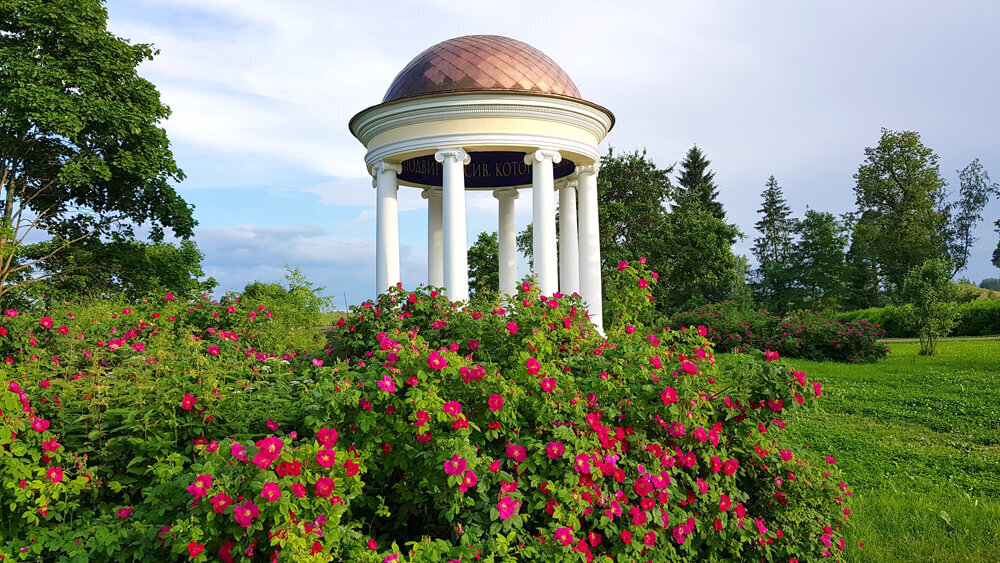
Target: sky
[{"x": 262, "y": 91}]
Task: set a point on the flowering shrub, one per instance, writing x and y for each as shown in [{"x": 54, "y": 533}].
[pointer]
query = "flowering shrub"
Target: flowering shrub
[
  {"x": 419, "y": 431},
  {"x": 800, "y": 334}
]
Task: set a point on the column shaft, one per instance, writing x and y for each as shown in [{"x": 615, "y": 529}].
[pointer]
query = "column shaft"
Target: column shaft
[
  {"x": 590, "y": 244},
  {"x": 386, "y": 226},
  {"x": 507, "y": 238},
  {"x": 435, "y": 238},
  {"x": 456, "y": 241},
  {"x": 569, "y": 250},
  {"x": 544, "y": 219}
]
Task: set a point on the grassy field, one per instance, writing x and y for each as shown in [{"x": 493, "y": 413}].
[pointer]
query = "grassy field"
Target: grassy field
[{"x": 919, "y": 441}]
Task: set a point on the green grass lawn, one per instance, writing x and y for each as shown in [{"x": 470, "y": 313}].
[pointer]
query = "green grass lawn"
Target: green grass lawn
[{"x": 919, "y": 441}]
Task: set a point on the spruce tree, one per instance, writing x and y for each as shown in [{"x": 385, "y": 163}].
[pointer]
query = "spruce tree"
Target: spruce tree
[
  {"x": 775, "y": 225},
  {"x": 817, "y": 260},
  {"x": 773, "y": 246},
  {"x": 696, "y": 184}
]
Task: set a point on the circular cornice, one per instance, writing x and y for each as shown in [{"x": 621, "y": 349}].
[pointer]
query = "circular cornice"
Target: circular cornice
[{"x": 478, "y": 104}]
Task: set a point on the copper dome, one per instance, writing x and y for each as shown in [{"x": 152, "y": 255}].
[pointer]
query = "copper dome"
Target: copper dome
[{"x": 481, "y": 63}]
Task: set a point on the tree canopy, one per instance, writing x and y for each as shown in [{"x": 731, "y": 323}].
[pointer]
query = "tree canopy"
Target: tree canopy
[
  {"x": 899, "y": 194},
  {"x": 975, "y": 189},
  {"x": 484, "y": 264},
  {"x": 82, "y": 153}
]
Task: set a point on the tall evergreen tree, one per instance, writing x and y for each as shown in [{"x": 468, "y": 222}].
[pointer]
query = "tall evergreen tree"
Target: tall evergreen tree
[
  {"x": 773, "y": 246},
  {"x": 817, "y": 261},
  {"x": 696, "y": 184},
  {"x": 775, "y": 225}
]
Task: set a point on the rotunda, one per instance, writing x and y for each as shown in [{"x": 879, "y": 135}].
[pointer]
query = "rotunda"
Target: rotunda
[{"x": 484, "y": 112}]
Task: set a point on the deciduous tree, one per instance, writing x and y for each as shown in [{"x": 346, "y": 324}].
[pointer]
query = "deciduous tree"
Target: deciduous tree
[
  {"x": 484, "y": 264},
  {"x": 975, "y": 190},
  {"x": 82, "y": 153},
  {"x": 929, "y": 307},
  {"x": 899, "y": 192}
]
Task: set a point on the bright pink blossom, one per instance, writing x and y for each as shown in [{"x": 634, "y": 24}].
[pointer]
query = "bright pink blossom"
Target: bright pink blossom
[
  {"x": 200, "y": 487},
  {"x": 326, "y": 458},
  {"x": 324, "y": 487},
  {"x": 517, "y": 453},
  {"x": 327, "y": 437},
  {"x": 555, "y": 449},
  {"x": 245, "y": 513},
  {"x": 455, "y": 466},
  {"x": 495, "y": 402},
  {"x": 507, "y": 507},
  {"x": 220, "y": 502},
  {"x": 436, "y": 360},
  {"x": 271, "y": 492}
]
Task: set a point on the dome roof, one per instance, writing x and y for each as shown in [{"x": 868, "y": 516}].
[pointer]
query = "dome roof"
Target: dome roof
[{"x": 481, "y": 63}]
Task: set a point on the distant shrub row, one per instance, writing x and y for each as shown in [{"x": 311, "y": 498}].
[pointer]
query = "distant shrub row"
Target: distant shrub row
[
  {"x": 801, "y": 334},
  {"x": 976, "y": 318}
]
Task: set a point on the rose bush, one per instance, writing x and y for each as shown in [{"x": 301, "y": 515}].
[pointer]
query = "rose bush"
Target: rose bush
[
  {"x": 799, "y": 334},
  {"x": 417, "y": 431}
]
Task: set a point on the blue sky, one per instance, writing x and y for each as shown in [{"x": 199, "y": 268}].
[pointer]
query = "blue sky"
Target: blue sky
[{"x": 261, "y": 93}]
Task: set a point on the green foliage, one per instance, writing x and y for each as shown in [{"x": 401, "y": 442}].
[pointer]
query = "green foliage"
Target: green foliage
[
  {"x": 297, "y": 308},
  {"x": 899, "y": 192},
  {"x": 696, "y": 185},
  {"x": 978, "y": 318},
  {"x": 975, "y": 318},
  {"x": 484, "y": 264},
  {"x": 82, "y": 154},
  {"x": 95, "y": 269},
  {"x": 817, "y": 262},
  {"x": 632, "y": 192},
  {"x": 930, "y": 309},
  {"x": 992, "y": 284},
  {"x": 701, "y": 266},
  {"x": 800, "y": 334}
]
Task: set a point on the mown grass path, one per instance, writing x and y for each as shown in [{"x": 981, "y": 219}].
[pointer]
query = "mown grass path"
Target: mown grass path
[{"x": 919, "y": 440}]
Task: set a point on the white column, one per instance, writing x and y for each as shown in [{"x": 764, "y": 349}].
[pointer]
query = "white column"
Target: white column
[
  {"x": 569, "y": 250},
  {"x": 590, "y": 243},
  {"x": 507, "y": 237},
  {"x": 543, "y": 202},
  {"x": 435, "y": 237},
  {"x": 456, "y": 241},
  {"x": 386, "y": 225}
]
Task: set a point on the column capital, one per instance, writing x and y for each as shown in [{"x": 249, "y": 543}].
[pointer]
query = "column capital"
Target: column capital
[
  {"x": 589, "y": 168},
  {"x": 458, "y": 153},
  {"x": 543, "y": 154},
  {"x": 428, "y": 193},
  {"x": 572, "y": 183},
  {"x": 381, "y": 166},
  {"x": 559, "y": 184},
  {"x": 506, "y": 193}
]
